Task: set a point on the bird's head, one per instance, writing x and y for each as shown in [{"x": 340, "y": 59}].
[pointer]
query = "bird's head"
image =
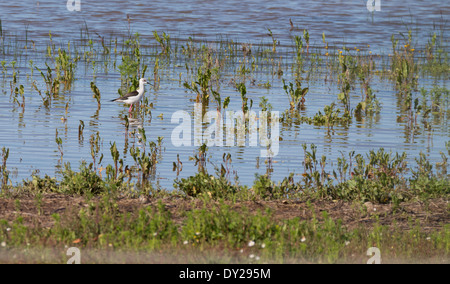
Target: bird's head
[{"x": 144, "y": 81}]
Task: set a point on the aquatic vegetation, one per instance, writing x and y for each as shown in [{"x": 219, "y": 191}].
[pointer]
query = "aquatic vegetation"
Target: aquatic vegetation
[
  {"x": 115, "y": 155},
  {"x": 405, "y": 75},
  {"x": 403, "y": 66},
  {"x": 380, "y": 177},
  {"x": 4, "y": 173},
  {"x": 20, "y": 91},
  {"x": 295, "y": 94},
  {"x": 200, "y": 158},
  {"x": 274, "y": 41},
  {"x": 145, "y": 160},
  {"x": 13, "y": 83},
  {"x": 95, "y": 145},
  {"x": 265, "y": 105},
  {"x": 4, "y": 68},
  {"x": 330, "y": 117},
  {"x": 201, "y": 87},
  {"x": 444, "y": 164},
  {"x": 164, "y": 42},
  {"x": 96, "y": 94},
  {"x": 233, "y": 74},
  {"x": 52, "y": 84},
  {"x": 306, "y": 37},
  {"x": 131, "y": 64},
  {"x": 298, "y": 48},
  {"x": 81, "y": 131},
  {"x": 65, "y": 68},
  {"x": 58, "y": 141},
  {"x": 106, "y": 49},
  {"x": 346, "y": 79},
  {"x": 370, "y": 105},
  {"x": 326, "y": 88},
  {"x": 435, "y": 102},
  {"x": 314, "y": 175},
  {"x": 436, "y": 61},
  {"x": 129, "y": 68},
  {"x": 243, "y": 91}
]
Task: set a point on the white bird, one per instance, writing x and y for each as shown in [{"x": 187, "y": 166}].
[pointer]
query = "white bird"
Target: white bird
[{"x": 133, "y": 97}]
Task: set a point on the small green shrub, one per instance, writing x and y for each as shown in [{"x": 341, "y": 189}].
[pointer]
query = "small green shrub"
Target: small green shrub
[
  {"x": 202, "y": 183},
  {"x": 84, "y": 182}
]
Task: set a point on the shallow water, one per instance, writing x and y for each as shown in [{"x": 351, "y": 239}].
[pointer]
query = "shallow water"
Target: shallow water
[
  {"x": 29, "y": 133},
  {"x": 345, "y": 21}
]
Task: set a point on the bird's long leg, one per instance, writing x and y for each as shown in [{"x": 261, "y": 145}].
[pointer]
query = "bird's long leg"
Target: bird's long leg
[{"x": 131, "y": 107}]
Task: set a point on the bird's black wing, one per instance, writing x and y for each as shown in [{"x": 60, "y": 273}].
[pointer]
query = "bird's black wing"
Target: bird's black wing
[{"x": 131, "y": 94}]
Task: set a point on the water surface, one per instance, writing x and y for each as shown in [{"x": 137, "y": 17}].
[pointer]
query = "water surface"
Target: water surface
[{"x": 29, "y": 132}]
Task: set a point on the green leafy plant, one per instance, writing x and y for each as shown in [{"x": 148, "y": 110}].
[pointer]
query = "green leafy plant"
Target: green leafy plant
[
  {"x": 4, "y": 173},
  {"x": 164, "y": 42},
  {"x": 53, "y": 84},
  {"x": 96, "y": 94},
  {"x": 203, "y": 183},
  {"x": 201, "y": 87},
  {"x": 86, "y": 181},
  {"x": 296, "y": 94},
  {"x": 243, "y": 90},
  {"x": 65, "y": 68}
]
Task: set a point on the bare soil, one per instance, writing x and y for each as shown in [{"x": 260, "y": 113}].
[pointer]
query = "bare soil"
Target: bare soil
[{"x": 430, "y": 215}]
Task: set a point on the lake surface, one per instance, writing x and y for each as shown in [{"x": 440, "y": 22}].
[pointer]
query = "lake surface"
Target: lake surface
[{"x": 29, "y": 132}]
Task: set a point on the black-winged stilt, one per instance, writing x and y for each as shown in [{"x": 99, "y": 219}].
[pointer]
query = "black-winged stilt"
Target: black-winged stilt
[{"x": 133, "y": 97}]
